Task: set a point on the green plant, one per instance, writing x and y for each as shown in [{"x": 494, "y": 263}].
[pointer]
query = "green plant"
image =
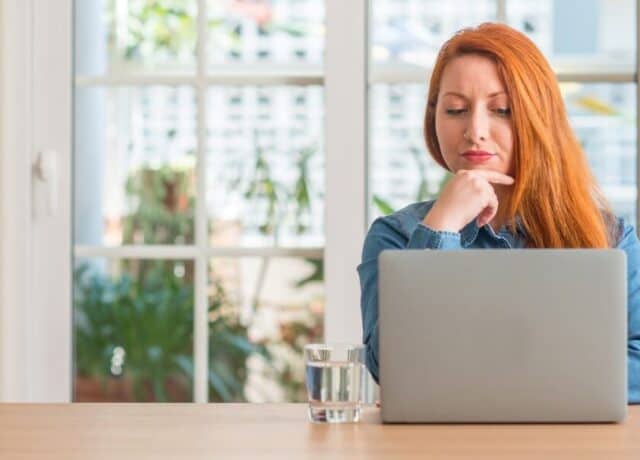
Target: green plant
[
  {"x": 148, "y": 322},
  {"x": 154, "y": 28},
  {"x": 316, "y": 276},
  {"x": 423, "y": 193},
  {"x": 167, "y": 29},
  {"x": 162, "y": 206},
  {"x": 300, "y": 195},
  {"x": 274, "y": 197},
  {"x": 142, "y": 318},
  {"x": 262, "y": 187},
  {"x": 229, "y": 349}
]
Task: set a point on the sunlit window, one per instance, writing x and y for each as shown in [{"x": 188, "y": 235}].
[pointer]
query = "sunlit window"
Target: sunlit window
[
  {"x": 594, "y": 47},
  {"x": 173, "y": 167}
]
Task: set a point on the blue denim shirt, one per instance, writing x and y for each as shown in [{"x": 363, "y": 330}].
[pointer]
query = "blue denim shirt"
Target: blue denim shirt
[{"x": 404, "y": 229}]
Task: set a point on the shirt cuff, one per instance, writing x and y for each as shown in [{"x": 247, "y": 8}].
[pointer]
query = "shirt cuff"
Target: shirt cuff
[{"x": 424, "y": 237}]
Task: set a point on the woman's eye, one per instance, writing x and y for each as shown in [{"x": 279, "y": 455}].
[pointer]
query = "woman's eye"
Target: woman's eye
[
  {"x": 455, "y": 111},
  {"x": 504, "y": 111}
]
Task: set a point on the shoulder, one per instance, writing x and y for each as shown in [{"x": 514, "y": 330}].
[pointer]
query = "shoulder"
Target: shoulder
[
  {"x": 404, "y": 221},
  {"x": 395, "y": 230},
  {"x": 625, "y": 235},
  {"x": 627, "y": 240}
]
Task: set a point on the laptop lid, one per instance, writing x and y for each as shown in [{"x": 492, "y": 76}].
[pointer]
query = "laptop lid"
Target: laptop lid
[{"x": 503, "y": 335}]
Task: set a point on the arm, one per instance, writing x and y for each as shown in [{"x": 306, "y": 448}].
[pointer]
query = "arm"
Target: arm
[
  {"x": 385, "y": 235},
  {"x": 630, "y": 244}
]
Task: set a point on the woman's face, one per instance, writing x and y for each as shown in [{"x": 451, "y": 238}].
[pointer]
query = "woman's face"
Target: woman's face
[{"x": 473, "y": 116}]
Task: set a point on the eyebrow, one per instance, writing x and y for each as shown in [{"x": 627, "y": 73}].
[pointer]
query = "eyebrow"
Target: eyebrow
[{"x": 453, "y": 93}]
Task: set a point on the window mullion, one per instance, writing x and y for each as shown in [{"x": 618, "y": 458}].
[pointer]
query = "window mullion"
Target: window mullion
[
  {"x": 501, "y": 10},
  {"x": 346, "y": 141},
  {"x": 201, "y": 326},
  {"x": 229, "y": 78},
  {"x": 179, "y": 252},
  {"x": 409, "y": 73}
]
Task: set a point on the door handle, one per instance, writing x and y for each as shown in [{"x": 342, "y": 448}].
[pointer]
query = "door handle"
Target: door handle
[{"x": 45, "y": 171}]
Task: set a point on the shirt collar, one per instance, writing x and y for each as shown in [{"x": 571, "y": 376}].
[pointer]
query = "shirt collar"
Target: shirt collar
[{"x": 470, "y": 232}]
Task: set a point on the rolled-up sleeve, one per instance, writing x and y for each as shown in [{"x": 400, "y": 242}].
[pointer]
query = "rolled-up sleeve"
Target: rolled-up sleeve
[
  {"x": 631, "y": 246},
  {"x": 382, "y": 235}
]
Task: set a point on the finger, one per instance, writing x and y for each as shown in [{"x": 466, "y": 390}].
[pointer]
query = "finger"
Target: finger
[
  {"x": 490, "y": 211},
  {"x": 485, "y": 217},
  {"x": 494, "y": 176}
]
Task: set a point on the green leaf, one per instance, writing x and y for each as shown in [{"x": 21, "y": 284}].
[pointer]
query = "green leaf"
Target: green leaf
[
  {"x": 289, "y": 29},
  {"x": 383, "y": 206},
  {"x": 316, "y": 276},
  {"x": 219, "y": 386},
  {"x": 238, "y": 342}
]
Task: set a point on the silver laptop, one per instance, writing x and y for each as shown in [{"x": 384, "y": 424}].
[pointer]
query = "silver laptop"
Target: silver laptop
[{"x": 503, "y": 335}]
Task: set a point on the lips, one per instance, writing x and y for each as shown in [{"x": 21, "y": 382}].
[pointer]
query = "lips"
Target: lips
[{"x": 477, "y": 156}]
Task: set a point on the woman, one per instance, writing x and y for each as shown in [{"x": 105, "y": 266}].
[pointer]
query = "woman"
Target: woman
[{"x": 496, "y": 120}]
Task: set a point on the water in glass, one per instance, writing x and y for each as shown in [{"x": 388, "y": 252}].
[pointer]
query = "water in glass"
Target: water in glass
[{"x": 334, "y": 388}]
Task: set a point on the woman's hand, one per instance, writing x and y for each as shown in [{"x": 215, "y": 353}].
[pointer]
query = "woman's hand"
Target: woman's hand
[{"x": 467, "y": 196}]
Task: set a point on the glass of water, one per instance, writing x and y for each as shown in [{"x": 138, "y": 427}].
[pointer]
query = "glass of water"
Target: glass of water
[{"x": 334, "y": 374}]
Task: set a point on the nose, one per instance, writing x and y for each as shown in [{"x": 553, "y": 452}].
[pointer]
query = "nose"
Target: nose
[{"x": 477, "y": 130}]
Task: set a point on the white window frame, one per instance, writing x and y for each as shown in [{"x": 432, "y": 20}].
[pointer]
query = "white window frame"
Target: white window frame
[
  {"x": 35, "y": 283},
  {"x": 36, "y": 114},
  {"x": 14, "y": 217},
  {"x": 37, "y": 92}
]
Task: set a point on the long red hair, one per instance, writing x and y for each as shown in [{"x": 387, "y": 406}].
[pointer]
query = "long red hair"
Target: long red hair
[{"x": 555, "y": 194}]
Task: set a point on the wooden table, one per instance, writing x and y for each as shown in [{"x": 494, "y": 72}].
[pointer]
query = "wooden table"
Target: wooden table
[{"x": 281, "y": 431}]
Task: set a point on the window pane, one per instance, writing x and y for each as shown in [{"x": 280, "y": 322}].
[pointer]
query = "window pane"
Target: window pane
[
  {"x": 587, "y": 34},
  {"x": 412, "y": 31},
  {"x": 115, "y": 36},
  {"x": 133, "y": 330},
  {"x": 262, "y": 312},
  {"x": 134, "y": 165},
  {"x": 401, "y": 171},
  {"x": 283, "y": 31},
  {"x": 602, "y": 115},
  {"x": 604, "y": 118},
  {"x": 266, "y": 166}
]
